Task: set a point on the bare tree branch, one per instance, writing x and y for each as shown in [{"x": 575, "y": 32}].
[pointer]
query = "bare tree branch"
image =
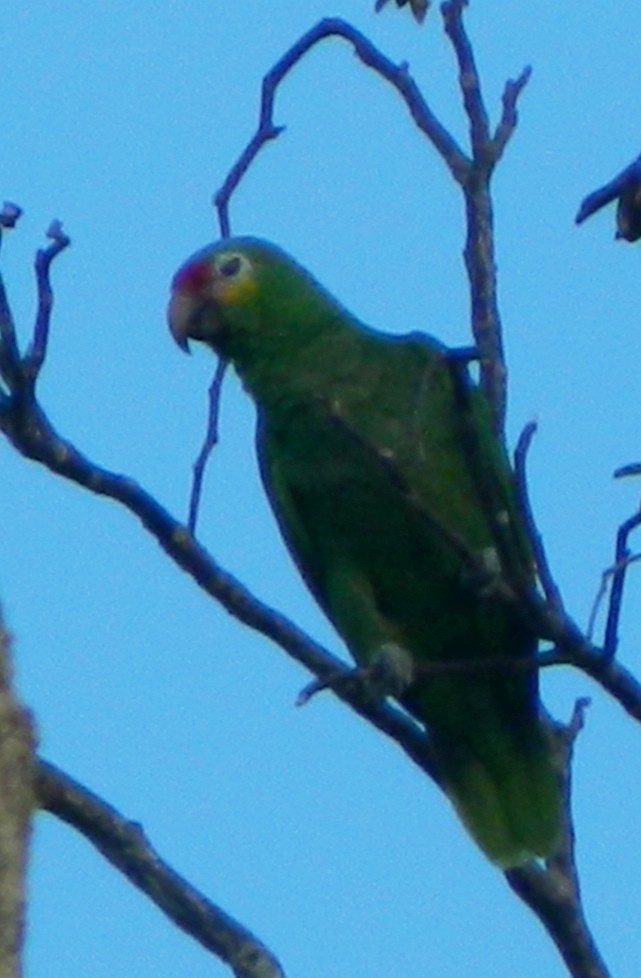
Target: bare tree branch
[
  {"x": 552, "y": 892},
  {"x": 9, "y": 354},
  {"x": 30, "y": 431},
  {"x": 17, "y": 744},
  {"x": 622, "y": 560},
  {"x": 472, "y": 172},
  {"x": 10, "y": 214},
  {"x": 469, "y": 81},
  {"x": 560, "y": 913},
  {"x": 44, "y": 257},
  {"x": 509, "y": 118},
  {"x": 543, "y": 569},
  {"x": 479, "y": 246},
  {"x": 397, "y": 75},
  {"x": 125, "y": 845},
  {"x": 209, "y": 443}
]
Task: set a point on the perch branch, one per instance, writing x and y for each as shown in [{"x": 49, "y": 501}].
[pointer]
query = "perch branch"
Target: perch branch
[
  {"x": 124, "y": 844},
  {"x": 28, "y": 428}
]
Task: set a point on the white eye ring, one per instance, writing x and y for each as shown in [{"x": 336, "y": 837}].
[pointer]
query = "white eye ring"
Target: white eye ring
[{"x": 232, "y": 265}]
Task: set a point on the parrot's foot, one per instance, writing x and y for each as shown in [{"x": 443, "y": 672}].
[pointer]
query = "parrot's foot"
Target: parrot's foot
[
  {"x": 390, "y": 673},
  {"x": 391, "y": 670}
]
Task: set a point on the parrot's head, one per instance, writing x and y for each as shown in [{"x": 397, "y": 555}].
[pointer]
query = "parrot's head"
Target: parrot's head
[{"x": 244, "y": 297}]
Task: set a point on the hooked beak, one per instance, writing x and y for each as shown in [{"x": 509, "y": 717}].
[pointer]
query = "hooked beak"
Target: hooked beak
[
  {"x": 192, "y": 317},
  {"x": 181, "y": 312},
  {"x": 193, "y": 312}
]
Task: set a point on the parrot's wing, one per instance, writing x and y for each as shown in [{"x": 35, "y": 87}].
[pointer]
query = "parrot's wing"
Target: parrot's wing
[{"x": 288, "y": 506}]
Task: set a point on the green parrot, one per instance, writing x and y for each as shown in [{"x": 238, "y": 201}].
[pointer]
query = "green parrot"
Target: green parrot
[
  {"x": 363, "y": 444},
  {"x": 418, "y": 7}
]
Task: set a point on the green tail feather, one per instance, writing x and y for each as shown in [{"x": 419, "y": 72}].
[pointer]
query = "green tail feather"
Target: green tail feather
[{"x": 509, "y": 801}]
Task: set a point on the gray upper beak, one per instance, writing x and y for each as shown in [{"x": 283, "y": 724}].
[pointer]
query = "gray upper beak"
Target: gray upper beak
[{"x": 180, "y": 314}]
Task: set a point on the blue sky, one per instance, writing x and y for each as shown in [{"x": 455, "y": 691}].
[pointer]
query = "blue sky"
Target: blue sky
[{"x": 121, "y": 120}]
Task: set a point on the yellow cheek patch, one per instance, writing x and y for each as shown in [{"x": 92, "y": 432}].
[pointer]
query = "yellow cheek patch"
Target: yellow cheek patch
[{"x": 236, "y": 291}]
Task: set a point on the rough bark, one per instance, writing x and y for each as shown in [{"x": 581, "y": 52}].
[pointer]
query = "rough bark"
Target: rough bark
[{"x": 16, "y": 806}]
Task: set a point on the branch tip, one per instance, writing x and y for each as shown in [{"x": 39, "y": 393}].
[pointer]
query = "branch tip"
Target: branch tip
[
  {"x": 10, "y": 214},
  {"x": 632, "y": 468},
  {"x": 578, "y": 718}
]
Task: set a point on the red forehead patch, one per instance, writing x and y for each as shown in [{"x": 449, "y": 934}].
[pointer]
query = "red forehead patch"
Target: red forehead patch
[{"x": 192, "y": 277}]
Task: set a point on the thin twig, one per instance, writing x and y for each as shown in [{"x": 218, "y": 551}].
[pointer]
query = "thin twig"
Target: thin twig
[
  {"x": 38, "y": 347},
  {"x": 9, "y": 352},
  {"x": 624, "y": 186},
  {"x": 397, "y": 75},
  {"x": 125, "y": 845},
  {"x": 543, "y": 569},
  {"x": 631, "y": 469},
  {"x": 209, "y": 443},
  {"x": 469, "y": 81},
  {"x": 602, "y": 590},
  {"x": 622, "y": 560},
  {"x": 10, "y": 214},
  {"x": 509, "y": 117},
  {"x": 479, "y": 244},
  {"x": 472, "y": 174}
]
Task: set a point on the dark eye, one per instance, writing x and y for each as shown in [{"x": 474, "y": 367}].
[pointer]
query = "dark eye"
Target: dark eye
[{"x": 230, "y": 267}]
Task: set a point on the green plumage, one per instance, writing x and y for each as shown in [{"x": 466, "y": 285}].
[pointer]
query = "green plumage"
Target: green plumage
[{"x": 370, "y": 449}]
